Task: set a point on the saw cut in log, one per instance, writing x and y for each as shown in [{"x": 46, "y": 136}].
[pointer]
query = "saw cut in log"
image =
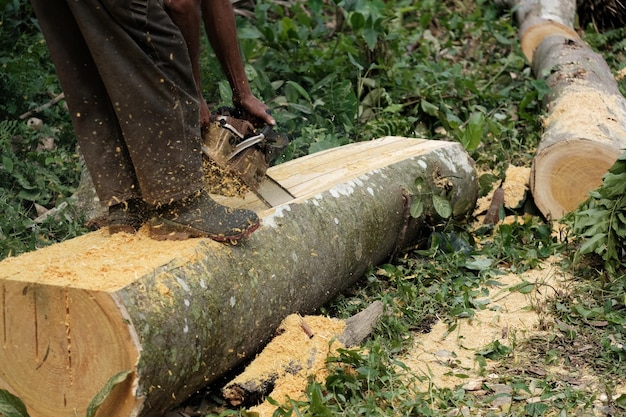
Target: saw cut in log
[
  {"x": 179, "y": 315},
  {"x": 540, "y": 18},
  {"x": 585, "y": 126}
]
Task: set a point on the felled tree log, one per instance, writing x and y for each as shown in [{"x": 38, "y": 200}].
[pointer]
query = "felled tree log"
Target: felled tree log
[
  {"x": 585, "y": 127},
  {"x": 178, "y": 315}
]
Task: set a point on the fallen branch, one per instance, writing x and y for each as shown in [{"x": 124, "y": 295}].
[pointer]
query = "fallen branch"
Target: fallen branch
[{"x": 43, "y": 107}]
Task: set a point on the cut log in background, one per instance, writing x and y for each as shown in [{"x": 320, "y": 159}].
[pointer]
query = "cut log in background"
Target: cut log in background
[
  {"x": 585, "y": 127},
  {"x": 181, "y": 314}
]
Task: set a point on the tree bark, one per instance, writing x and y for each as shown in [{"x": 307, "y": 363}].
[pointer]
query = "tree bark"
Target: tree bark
[
  {"x": 360, "y": 326},
  {"x": 585, "y": 127},
  {"x": 181, "y": 314}
]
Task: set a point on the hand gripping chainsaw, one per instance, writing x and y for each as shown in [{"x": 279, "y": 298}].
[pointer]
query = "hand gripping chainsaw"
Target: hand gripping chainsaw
[{"x": 234, "y": 145}]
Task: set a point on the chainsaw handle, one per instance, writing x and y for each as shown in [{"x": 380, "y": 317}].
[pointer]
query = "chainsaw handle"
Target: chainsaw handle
[{"x": 267, "y": 129}]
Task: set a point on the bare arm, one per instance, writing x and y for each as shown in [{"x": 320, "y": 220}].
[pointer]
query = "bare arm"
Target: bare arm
[
  {"x": 221, "y": 28},
  {"x": 186, "y": 15}
]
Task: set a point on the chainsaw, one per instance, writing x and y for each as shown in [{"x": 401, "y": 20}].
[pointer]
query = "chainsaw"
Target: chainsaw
[{"x": 239, "y": 150}]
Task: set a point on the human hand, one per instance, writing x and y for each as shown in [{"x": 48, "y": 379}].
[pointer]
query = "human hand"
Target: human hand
[{"x": 254, "y": 110}]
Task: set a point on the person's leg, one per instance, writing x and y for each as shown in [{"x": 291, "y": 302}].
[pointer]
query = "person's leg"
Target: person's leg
[
  {"x": 93, "y": 117},
  {"x": 145, "y": 69},
  {"x": 142, "y": 59},
  {"x": 186, "y": 15}
]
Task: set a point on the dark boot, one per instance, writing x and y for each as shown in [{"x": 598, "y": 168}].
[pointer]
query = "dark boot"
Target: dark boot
[
  {"x": 127, "y": 216},
  {"x": 201, "y": 216}
]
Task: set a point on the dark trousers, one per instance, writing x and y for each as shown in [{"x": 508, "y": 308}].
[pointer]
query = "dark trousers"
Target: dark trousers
[{"x": 126, "y": 74}]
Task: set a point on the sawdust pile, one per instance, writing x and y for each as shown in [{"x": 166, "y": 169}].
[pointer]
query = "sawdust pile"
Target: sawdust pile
[
  {"x": 515, "y": 186},
  {"x": 588, "y": 114},
  {"x": 511, "y": 315},
  {"x": 99, "y": 261},
  {"x": 515, "y": 191},
  {"x": 446, "y": 356},
  {"x": 298, "y": 352},
  {"x": 220, "y": 181}
]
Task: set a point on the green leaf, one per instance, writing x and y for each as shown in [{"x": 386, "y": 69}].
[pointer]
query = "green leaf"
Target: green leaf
[
  {"x": 536, "y": 409},
  {"x": 355, "y": 62},
  {"x": 226, "y": 94},
  {"x": 473, "y": 133},
  {"x": 11, "y": 406},
  {"x": 288, "y": 29},
  {"x": 249, "y": 32},
  {"x": 592, "y": 244},
  {"x": 429, "y": 108},
  {"x": 8, "y": 163},
  {"x": 621, "y": 401},
  {"x": 371, "y": 37},
  {"x": 462, "y": 312},
  {"x": 317, "y": 406},
  {"x": 494, "y": 350},
  {"x": 479, "y": 263},
  {"x": 106, "y": 391},
  {"x": 417, "y": 207},
  {"x": 523, "y": 287},
  {"x": 300, "y": 90},
  {"x": 419, "y": 184},
  {"x": 453, "y": 120},
  {"x": 301, "y": 108},
  {"x": 442, "y": 206},
  {"x": 542, "y": 88},
  {"x": 357, "y": 21}
]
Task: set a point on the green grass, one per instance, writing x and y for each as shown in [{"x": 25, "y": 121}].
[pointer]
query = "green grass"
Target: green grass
[{"x": 337, "y": 72}]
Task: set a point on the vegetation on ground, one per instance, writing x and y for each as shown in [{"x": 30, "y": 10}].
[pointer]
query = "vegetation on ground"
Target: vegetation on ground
[{"x": 342, "y": 71}]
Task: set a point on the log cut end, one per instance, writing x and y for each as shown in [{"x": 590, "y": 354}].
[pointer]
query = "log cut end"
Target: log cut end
[
  {"x": 68, "y": 341},
  {"x": 534, "y": 30},
  {"x": 564, "y": 174}
]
